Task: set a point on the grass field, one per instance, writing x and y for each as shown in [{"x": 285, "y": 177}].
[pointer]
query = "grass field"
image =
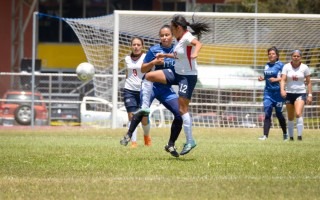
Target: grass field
[{"x": 75, "y": 163}]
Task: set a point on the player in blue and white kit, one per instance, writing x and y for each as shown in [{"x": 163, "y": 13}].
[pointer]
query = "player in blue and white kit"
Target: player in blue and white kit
[
  {"x": 132, "y": 88},
  {"x": 272, "y": 96},
  {"x": 185, "y": 69},
  {"x": 295, "y": 78},
  {"x": 162, "y": 92}
]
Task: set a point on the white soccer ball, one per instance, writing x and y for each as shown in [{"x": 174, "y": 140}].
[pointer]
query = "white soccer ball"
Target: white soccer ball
[{"x": 85, "y": 71}]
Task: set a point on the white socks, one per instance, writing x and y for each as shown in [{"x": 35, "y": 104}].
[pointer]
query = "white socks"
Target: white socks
[
  {"x": 146, "y": 129},
  {"x": 300, "y": 126},
  {"x": 146, "y": 89},
  {"x": 187, "y": 126},
  {"x": 290, "y": 128}
]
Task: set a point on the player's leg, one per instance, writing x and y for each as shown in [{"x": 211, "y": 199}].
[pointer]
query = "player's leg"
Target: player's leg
[
  {"x": 169, "y": 99},
  {"x": 299, "y": 106},
  {"x": 132, "y": 104},
  {"x": 267, "y": 107},
  {"x": 136, "y": 119},
  {"x": 146, "y": 131},
  {"x": 290, "y": 99},
  {"x": 186, "y": 87},
  {"x": 279, "y": 113},
  {"x": 157, "y": 76},
  {"x": 176, "y": 126}
]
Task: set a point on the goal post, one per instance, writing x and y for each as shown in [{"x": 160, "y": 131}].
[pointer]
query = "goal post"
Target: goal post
[{"x": 233, "y": 55}]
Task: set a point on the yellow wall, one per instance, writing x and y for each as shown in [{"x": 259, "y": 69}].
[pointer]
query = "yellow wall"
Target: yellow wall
[
  {"x": 68, "y": 56},
  {"x": 55, "y": 55}
]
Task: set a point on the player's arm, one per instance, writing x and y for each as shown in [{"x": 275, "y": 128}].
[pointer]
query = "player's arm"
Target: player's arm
[
  {"x": 197, "y": 44},
  {"x": 146, "y": 67},
  {"x": 309, "y": 86},
  {"x": 282, "y": 85},
  {"x": 260, "y": 78},
  {"x": 165, "y": 55}
]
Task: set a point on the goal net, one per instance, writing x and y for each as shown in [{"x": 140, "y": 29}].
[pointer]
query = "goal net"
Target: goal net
[{"x": 232, "y": 57}]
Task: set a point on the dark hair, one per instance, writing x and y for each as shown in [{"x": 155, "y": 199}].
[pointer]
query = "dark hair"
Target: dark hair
[
  {"x": 138, "y": 38},
  {"x": 165, "y": 26},
  {"x": 197, "y": 27},
  {"x": 275, "y": 50}
]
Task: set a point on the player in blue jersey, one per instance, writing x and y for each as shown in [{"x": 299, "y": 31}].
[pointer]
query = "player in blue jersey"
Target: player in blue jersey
[
  {"x": 162, "y": 92},
  {"x": 272, "y": 96},
  {"x": 185, "y": 71}
]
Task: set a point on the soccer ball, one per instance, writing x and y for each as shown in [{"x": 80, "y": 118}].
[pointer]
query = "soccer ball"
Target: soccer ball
[{"x": 85, "y": 71}]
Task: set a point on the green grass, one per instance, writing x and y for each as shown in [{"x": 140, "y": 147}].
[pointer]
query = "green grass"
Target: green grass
[{"x": 75, "y": 163}]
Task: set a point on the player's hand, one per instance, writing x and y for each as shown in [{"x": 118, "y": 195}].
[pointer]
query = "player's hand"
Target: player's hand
[
  {"x": 194, "y": 56},
  {"x": 160, "y": 55},
  {"x": 309, "y": 100},
  {"x": 283, "y": 94},
  {"x": 158, "y": 61},
  {"x": 260, "y": 78}
]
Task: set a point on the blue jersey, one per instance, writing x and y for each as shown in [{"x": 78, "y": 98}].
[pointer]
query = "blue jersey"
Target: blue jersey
[
  {"x": 162, "y": 92},
  {"x": 158, "y": 48},
  {"x": 272, "y": 70}
]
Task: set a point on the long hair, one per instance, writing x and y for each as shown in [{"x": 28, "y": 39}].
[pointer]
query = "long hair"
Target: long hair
[{"x": 198, "y": 27}]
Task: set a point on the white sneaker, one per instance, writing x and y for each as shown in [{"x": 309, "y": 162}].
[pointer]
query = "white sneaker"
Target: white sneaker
[{"x": 263, "y": 137}]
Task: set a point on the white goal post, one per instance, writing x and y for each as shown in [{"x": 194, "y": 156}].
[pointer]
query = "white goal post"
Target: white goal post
[{"x": 231, "y": 59}]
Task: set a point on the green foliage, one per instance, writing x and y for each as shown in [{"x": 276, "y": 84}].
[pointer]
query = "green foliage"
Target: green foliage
[
  {"x": 283, "y": 6},
  {"x": 91, "y": 164}
]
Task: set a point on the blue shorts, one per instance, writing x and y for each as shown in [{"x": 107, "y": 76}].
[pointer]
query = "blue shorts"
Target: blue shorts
[
  {"x": 186, "y": 83},
  {"x": 292, "y": 97},
  {"x": 272, "y": 99},
  {"x": 163, "y": 93},
  {"x": 131, "y": 100}
]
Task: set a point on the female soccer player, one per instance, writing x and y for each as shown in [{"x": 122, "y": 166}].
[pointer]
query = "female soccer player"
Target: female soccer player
[
  {"x": 164, "y": 93},
  {"x": 295, "y": 77},
  {"x": 132, "y": 88},
  {"x": 272, "y": 96},
  {"x": 185, "y": 69}
]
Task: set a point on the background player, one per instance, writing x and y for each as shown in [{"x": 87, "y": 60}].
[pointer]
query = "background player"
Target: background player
[
  {"x": 272, "y": 96},
  {"x": 295, "y": 77},
  {"x": 132, "y": 88}
]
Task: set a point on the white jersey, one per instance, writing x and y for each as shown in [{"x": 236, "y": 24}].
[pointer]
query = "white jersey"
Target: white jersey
[
  {"x": 134, "y": 74},
  {"x": 184, "y": 65},
  {"x": 296, "y": 78}
]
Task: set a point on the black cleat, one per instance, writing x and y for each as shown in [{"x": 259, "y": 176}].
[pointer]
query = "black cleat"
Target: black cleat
[
  {"x": 172, "y": 150},
  {"x": 125, "y": 140}
]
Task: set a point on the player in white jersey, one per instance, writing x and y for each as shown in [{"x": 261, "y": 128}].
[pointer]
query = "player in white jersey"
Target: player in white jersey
[
  {"x": 132, "y": 88},
  {"x": 295, "y": 77},
  {"x": 185, "y": 69}
]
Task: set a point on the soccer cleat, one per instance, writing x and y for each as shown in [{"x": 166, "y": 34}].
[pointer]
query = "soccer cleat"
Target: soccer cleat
[
  {"x": 291, "y": 139},
  {"x": 300, "y": 137},
  {"x": 134, "y": 145},
  {"x": 285, "y": 137},
  {"x": 143, "y": 111},
  {"x": 125, "y": 140},
  {"x": 264, "y": 137},
  {"x": 172, "y": 150},
  {"x": 147, "y": 140},
  {"x": 187, "y": 147}
]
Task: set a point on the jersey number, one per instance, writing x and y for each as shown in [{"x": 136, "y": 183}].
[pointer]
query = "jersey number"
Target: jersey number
[
  {"x": 134, "y": 71},
  {"x": 295, "y": 78},
  {"x": 183, "y": 88}
]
